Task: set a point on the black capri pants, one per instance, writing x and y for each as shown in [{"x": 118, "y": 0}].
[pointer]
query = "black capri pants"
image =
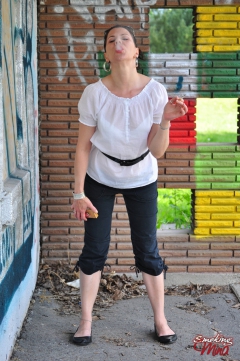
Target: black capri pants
[{"x": 141, "y": 204}]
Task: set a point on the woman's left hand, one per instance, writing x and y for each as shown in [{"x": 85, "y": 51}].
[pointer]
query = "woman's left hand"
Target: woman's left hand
[{"x": 174, "y": 108}]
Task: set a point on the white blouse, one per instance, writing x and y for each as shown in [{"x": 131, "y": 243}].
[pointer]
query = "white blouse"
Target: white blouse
[{"x": 122, "y": 128}]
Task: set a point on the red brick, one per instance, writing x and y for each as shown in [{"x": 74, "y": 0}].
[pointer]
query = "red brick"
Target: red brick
[
  {"x": 122, "y": 238},
  {"x": 209, "y": 269},
  {"x": 58, "y": 216},
  {"x": 49, "y": 95},
  {"x": 173, "y": 253},
  {"x": 68, "y": 238},
  {"x": 209, "y": 253},
  {"x": 232, "y": 246},
  {"x": 173, "y": 178},
  {"x": 120, "y": 254},
  {"x": 211, "y": 239},
  {"x": 59, "y": 208},
  {"x": 58, "y": 32},
  {"x": 120, "y": 223},
  {"x": 173, "y": 163},
  {"x": 76, "y": 246},
  {"x": 126, "y": 261},
  {"x": 186, "y": 245},
  {"x": 172, "y": 269},
  {"x": 55, "y": 185},
  {"x": 55, "y": 2},
  {"x": 123, "y": 230},
  {"x": 124, "y": 245},
  {"x": 50, "y": 155},
  {"x": 61, "y": 163},
  {"x": 55, "y": 17},
  {"x": 54, "y": 140},
  {"x": 56, "y": 261},
  {"x": 44, "y": 223},
  {"x": 48, "y": 170},
  {"x": 53, "y": 79},
  {"x": 72, "y": 72},
  {"x": 49, "y": 125},
  {"x": 179, "y": 185},
  {"x": 43, "y": 163},
  {"x": 63, "y": 118},
  {"x": 49, "y": 231},
  {"x": 177, "y": 238},
  {"x": 66, "y": 87},
  {"x": 187, "y": 261},
  {"x": 51, "y": 200},
  {"x": 62, "y": 133},
  {"x": 54, "y": 110},
  {"x": 63, "y": 178},
  {"x": 79, "y": 230},
  {"x": 54, "y": 246},
  {"x": 63, "y": 103},
  {"x": 225, "y": 261},
  {"x": 43, "y": 56},
  {"x": 120, "y": 269},
  {"x": 181, "y": 170}
]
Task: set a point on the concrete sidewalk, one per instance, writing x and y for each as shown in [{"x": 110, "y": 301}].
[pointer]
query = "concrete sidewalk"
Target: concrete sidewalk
[{"x": 125, "y": 330}]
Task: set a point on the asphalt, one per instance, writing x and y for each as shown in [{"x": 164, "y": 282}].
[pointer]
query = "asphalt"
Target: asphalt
[{"x": 125, "y": 330}]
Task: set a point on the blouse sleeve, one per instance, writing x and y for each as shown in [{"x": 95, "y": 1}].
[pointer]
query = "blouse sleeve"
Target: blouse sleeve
[
  {"x": 87, "y": 107},
  {"x": 160, "y": 100}
]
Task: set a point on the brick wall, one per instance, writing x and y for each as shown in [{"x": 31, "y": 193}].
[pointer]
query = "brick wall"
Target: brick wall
[{"x": 70, "y": 57}]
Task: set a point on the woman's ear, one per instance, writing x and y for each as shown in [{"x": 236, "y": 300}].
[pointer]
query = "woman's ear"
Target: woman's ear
[{"x": 105, "y": 57}]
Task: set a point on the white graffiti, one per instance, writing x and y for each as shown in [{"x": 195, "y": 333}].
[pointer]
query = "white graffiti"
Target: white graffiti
[{"x": 122, "y": 9}]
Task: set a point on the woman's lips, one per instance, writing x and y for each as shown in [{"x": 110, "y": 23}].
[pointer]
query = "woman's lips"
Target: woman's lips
[{"x": 118, "y": 48}]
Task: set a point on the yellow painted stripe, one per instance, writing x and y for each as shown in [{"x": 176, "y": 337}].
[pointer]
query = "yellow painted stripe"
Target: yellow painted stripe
[
  {"x": 211, "y": 224},
  {"x": 221, "y": 231},
  {"x": 210, "y": 193},
  {"x": 216, "y": 9}
]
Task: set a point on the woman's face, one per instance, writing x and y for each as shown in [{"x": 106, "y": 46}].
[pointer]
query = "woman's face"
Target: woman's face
[{"x": 120, "y": 45}]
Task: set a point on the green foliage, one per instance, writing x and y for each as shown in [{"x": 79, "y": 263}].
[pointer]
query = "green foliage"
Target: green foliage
[
  {"x": 216, "y": 120},
  {"x": 174, "y": 206},
  {"x": 171, "y": 30}
]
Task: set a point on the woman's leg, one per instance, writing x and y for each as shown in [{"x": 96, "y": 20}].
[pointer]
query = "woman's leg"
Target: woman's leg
[
  {"x": 88, "y": 288},
  {"x": 155, "y": 290},
  {"x": 142, "y": 210},
  {"x": 94, "y": 253}
]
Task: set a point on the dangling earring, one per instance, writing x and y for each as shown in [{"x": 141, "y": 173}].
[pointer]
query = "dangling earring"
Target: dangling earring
[
  {"x": 136, "y": 62},
  {"x": 107, "y": 70}
]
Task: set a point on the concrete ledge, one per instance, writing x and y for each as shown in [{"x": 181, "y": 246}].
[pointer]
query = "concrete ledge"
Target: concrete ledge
[{"x": 177, "y": 279}]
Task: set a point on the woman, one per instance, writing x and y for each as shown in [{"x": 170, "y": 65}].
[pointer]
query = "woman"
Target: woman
[{"x": 124, "y": 127}]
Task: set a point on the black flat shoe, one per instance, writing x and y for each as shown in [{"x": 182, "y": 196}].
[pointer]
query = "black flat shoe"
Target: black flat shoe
[
  {"x": 165, "y": 339},
  {"x": 82, "y": 341}
]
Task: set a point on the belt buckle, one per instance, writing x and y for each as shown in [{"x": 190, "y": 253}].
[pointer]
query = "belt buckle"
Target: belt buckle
[{"x": 125, "y": 162}]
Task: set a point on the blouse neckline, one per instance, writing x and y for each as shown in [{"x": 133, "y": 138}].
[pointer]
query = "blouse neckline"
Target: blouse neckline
[{"x": 123, "y": 98}]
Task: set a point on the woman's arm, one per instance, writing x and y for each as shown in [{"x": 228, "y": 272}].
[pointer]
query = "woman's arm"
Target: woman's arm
[
  {"x": 158, "y": 138},
  {"x": 83, "y": 148}
]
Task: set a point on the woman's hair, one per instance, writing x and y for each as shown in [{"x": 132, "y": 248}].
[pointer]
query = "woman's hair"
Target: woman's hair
[{"x": 128, "y": 28}]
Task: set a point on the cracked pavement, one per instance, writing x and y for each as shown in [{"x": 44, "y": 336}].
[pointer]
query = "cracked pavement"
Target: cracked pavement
[{"x": 125, "y": 330}]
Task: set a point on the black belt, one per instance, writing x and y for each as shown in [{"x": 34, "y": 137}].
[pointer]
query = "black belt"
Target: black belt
[{"x": 127, "y": 162}]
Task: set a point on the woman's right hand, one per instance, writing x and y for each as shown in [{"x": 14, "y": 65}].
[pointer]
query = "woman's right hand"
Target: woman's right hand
[{"x": 80, "y": 206}]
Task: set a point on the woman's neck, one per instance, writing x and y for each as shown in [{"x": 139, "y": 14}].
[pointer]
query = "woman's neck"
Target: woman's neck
[{"x": 123, "y": 82}]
